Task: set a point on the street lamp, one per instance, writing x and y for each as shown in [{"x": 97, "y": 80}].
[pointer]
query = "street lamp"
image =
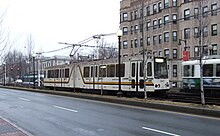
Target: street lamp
[
  {"x": 4, "y": 72},
  {"x": 119, "y": 34},
  {"x": 184, "y": 43},
  {"x": 185, "y": 54},
  {"x": 34, "y": 56}
]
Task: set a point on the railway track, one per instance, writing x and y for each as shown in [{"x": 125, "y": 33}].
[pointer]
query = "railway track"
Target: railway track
[{"x": 191, "y": 98}]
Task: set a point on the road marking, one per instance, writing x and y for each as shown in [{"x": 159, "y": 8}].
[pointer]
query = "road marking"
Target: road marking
[
  {"x": 65, "y": 108},
  {"x": 159, "y": 131},
  {"x": 24, "y": 99}
]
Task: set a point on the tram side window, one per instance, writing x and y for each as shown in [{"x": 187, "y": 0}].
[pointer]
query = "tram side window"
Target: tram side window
[
  {"x": 66, "y": 73},
  {"x": 56, "y": 73},
  {"x": 52, "y": 74},
  {"x": 208, "y": 70},
  {"x": 218, "y": 70},
  {"x": 111, "y": 70},
  {"x": 192, "y": 70},
  {"x": 49, "y": 74},
  {"x": 141, "y": 70},
  {"x": 94, "y": 70},
  {"x": 149, "y": 69},
  {"x": 102, "y": 71},
  {"x": 186, "y": 71},
  {"x": 133, "y": 69},
  {"x": 122, "y": 70},
  {"x": 61, "y": 73},
  {"x": 45, "y": 74},
  {"x": 86, "y": 71}
]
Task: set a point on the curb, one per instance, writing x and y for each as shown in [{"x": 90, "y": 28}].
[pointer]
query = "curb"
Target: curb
[{"x": 121, "y": 100}]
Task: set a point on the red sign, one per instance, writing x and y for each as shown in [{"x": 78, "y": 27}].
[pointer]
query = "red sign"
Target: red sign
[{"x": 185, "y": 55}]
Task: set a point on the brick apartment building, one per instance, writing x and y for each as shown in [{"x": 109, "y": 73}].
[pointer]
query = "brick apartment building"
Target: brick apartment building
[{"x": 169, "y": 27}]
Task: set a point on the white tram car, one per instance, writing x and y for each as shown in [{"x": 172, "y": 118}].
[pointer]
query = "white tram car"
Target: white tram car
[
  {"x": 211, "y": 75},
  {"x": 103, "y": 75}
]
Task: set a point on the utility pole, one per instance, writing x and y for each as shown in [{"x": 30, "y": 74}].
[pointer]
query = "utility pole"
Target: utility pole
[
  {"x": 201, "y": 53},
  {"x": 38, "y": 68},
  {"x": 144, "y": 67},
  {"x": 4, "y": 72}
]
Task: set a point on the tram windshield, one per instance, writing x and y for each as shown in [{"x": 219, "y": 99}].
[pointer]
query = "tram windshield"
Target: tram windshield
[{"x": 160, "y": 68}]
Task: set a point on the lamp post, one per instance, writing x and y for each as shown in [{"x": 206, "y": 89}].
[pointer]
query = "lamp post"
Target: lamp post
[
  {"x": 34, "y": 56},
  {"x": 184, "y": 43},
  {"x": 4, "y": 72},
  {"x": 185, "y": 54},
  {"x": 119, "y": 34}
]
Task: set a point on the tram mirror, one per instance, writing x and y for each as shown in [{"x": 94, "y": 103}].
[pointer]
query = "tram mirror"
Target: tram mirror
[
  {"x": 141, "y": 83},
  {"x": 132, "y": 83}
]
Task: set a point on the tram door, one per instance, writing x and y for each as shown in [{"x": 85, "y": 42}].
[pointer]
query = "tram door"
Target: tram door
[{"x": 134, "y": 75}]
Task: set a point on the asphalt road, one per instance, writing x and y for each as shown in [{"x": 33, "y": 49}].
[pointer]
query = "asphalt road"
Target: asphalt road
[{"x": 50, "y": 115}]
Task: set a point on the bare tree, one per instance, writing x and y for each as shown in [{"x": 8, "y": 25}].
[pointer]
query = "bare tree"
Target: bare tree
[
  {"x": 16, "y": 65},
  {"x": 202, "y": 39},
  {"x": 29, "y": 46},
  {"x": 105, "y": 50}
]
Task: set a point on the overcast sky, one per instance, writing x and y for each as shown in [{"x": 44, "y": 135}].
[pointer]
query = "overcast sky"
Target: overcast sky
[{"x": 53, "y": 21}]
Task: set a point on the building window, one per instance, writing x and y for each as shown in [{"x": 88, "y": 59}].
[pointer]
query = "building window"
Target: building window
[
  {"x": 196, "y": 51},
  {"x": 125, "y": 16},
  {"x": 166, "y": 19},
  {"x": 196, "y": 13},
  {"x": 135, "y": 14},
  {"x": 205, "y": 31},
  {"x": 166, "y": 53},
  {"x": 154, "y": 40},
  {"x": 185, "y": 1},
  {"x": 135, "y": 43},
  {"x": 166, "y": 37},
  {"x": 160, "y": 39},
  {"x": 205, "y": 11},
  {"x": 125, "y": 30},
  {"x": 205, "y": 50},
  {"x": 174, "y": 35},
  {"x": 131, "y": 14},
  {"x": 154, "y": 24},
  {"x": 132, "y": 45},
  {"x": 132, "y": 29},
  {"x": 141, "y": 42},
  {"x": 166, "y": 4},
  {"x": 174, "y": 18},
  {"x": 186, "y": 33},
  {"x": 159, "y": 7},
  {"x": 159, "y": 23},
  {"x": 214, "y": 49},
  {"x": 148, "y": 26},
  {"x": 174, "y": 53},
  {"x": 154, "y": 8},
  {"x": 155, "y": 53},
  {"x": 148, "y": 40},
  {"x": 125, "y": 44},
  {"x": 214, "y": 29},
  {"x": 135, "y": 28},
  {"x": 160, "y": 53},
  {"x": 174, "y": 70},
  {"x": 174, "y": 3},
  {"x": 196, "y": 32},
  {"x": 214, "y": 9},
  {"x": 186, "y": 14},
  {"x": 148, "y": 10}
]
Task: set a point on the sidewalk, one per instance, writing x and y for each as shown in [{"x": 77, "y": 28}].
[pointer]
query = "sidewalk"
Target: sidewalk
[{"x": 9, "y": 129}]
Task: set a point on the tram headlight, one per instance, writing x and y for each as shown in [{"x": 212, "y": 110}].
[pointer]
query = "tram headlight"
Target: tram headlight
[
  {"x": 157, "y": 85},
  {"x": 167, "y": 84}
]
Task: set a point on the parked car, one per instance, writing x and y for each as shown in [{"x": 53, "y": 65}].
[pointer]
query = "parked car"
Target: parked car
[{"x": 18, "y": 81}]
